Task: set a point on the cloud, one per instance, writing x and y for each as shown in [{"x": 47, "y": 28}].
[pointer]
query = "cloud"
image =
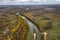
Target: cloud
[
  {"x": 57, "y": 0},
  {"x": 19, "y": 2}
]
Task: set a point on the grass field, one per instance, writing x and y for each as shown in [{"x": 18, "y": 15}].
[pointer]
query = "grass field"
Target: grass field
[
  {"x": 44, "y": 20},
  {"x": 13, "y": 27}
]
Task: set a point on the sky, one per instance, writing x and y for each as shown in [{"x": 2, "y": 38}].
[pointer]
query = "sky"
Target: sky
[{"x": 27, "y": 2}]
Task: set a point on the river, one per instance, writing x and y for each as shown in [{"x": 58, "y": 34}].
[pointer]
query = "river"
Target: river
[{"x": 32, "y": 29}]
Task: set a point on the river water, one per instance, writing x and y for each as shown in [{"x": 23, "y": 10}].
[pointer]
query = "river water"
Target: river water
[{"x": 32, "y": 29}]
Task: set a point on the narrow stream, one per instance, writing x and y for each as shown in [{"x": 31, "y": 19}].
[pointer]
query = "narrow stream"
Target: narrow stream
[{"x": 32, "y": 29}]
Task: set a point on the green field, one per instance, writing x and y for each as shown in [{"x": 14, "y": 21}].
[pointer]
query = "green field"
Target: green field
[{"x": 49, "y": 23}]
